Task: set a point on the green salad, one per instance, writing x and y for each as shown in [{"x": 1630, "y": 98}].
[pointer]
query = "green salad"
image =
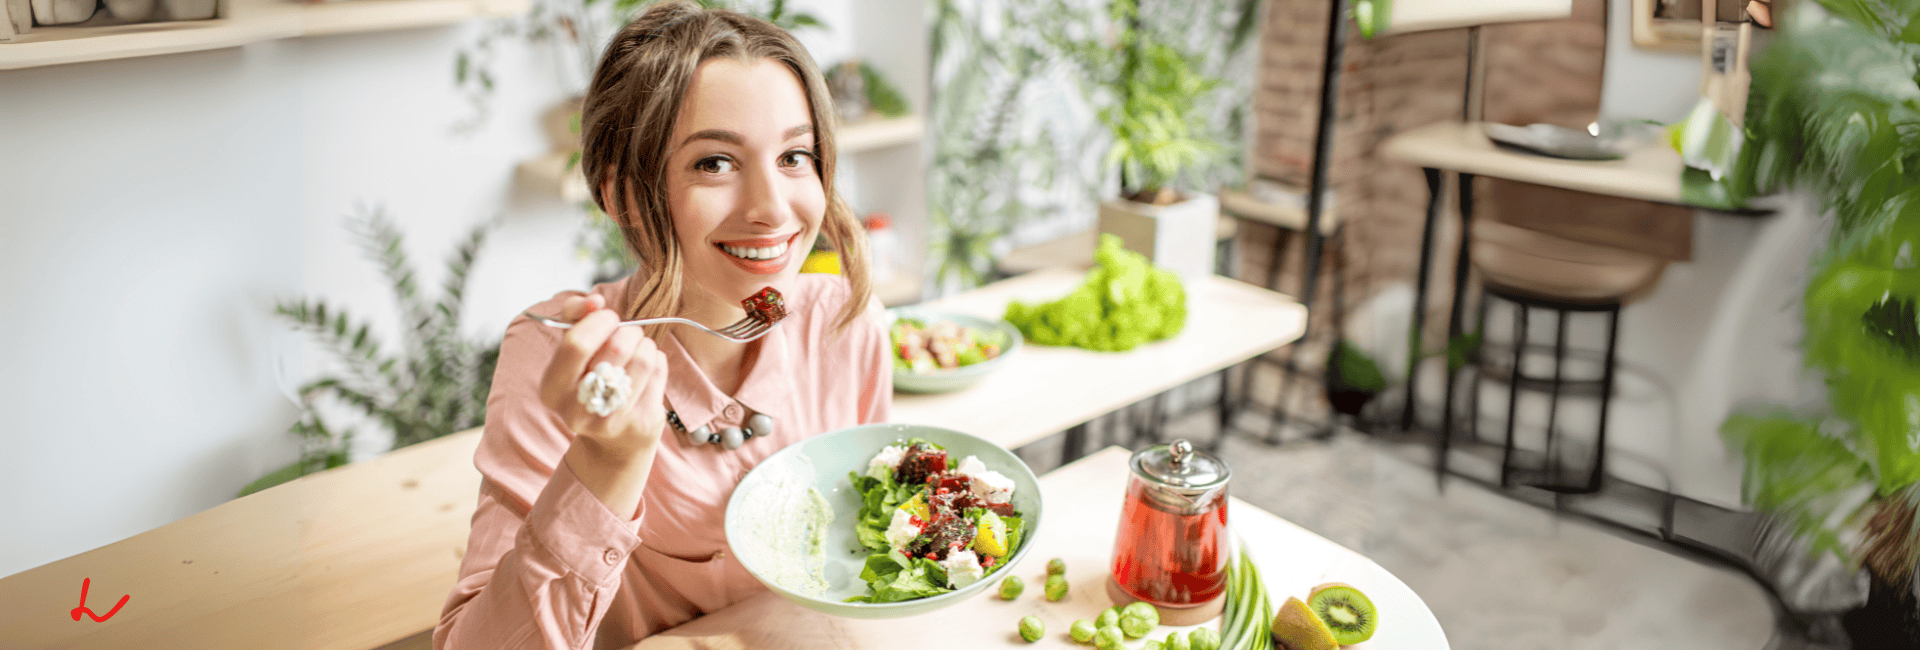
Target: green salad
[
  {"x": 942, "y": 345},
  {"x": 933, "y": 523}
]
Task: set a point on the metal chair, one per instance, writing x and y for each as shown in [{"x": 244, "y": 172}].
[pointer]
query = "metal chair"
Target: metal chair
[{"x": 1538, "y": 271}]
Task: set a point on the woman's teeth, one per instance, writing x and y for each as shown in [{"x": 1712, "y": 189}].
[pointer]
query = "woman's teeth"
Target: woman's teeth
[{"x": 765, "y": 253}]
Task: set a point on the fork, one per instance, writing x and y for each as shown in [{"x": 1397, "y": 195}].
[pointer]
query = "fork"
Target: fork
[{"x": 746, "y": 329}]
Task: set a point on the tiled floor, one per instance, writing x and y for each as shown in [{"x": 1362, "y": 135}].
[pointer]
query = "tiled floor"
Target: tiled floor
[{"x": 1496, "y": 573}]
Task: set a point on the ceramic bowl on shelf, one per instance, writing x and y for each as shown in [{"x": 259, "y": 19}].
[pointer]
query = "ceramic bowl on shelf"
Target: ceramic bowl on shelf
[
  {"x": 769, "y": 523},
  {"x": 1556, "y": 141},
  {"x": 941, "y": 380}
]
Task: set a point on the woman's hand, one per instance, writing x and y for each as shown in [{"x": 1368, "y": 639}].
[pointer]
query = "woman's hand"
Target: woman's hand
[{"x": 633, "y": 428}]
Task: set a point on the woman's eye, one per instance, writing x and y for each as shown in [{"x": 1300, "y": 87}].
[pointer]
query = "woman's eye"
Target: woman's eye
[
  {"x": 714, "y": 165},
  {"x": 796, "y": 158}
]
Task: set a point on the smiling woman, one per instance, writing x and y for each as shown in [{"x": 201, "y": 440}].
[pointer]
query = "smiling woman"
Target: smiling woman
[{"x": 708, "y": 136}]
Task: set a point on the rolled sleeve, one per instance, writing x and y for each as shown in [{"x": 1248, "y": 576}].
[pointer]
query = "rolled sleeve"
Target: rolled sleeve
[{"x": 578, "y": 531}]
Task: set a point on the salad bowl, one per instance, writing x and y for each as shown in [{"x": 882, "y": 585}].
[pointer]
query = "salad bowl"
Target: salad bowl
[
  {"x": 941, "y": 380},
  {"x": 774, "y": 520}
]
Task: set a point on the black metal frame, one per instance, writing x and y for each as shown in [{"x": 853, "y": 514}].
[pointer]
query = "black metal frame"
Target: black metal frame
[
  {"x": 1334, "y": 50},
  {"x": 1552, "y": 475}
]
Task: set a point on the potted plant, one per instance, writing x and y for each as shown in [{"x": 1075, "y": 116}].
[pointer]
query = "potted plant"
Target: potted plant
[
  {"x": 1158, "y": 132},
  {"x": 1833, "y": 108},
  {"x": 435, "y": 385}
]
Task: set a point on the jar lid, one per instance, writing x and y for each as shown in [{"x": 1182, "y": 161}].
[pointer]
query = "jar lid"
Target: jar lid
[{"x": 1181, "y": 467}]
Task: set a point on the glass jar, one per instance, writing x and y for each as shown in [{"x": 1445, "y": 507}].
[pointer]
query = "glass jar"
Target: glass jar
[{"x": 1172, "y": 546}]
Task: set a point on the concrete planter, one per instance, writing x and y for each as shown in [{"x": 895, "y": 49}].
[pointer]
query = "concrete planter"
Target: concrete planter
[{"x": 1179, "y": 236}]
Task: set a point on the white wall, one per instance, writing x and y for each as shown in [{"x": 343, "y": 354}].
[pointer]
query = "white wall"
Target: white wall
[
  {"x": 1644, "y": 83},
  {"x": 155, "y": 209}
]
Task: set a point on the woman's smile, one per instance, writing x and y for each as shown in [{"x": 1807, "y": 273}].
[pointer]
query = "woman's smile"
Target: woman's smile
[{"x": 764, "y": 256}]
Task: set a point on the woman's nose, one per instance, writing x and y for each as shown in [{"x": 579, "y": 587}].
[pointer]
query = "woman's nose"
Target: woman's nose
[{"x": 766, "y": 201}]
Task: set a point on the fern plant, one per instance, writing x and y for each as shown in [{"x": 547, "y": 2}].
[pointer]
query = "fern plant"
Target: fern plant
[
  {"x": 1835, "y": 109},
  {"x": 435, "y": 384}
]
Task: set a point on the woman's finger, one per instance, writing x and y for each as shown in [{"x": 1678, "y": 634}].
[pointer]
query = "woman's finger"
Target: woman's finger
[
  {"x": 577, "y": 347},
  {"x": 577, "y": 306},
  {"x": 649, "y": 369}
]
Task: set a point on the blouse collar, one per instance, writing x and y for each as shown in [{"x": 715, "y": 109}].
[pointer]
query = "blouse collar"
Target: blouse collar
[{"x": 692, "y": 396}]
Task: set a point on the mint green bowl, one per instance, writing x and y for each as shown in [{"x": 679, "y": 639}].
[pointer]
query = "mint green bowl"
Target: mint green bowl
[
  {"x": 762, "y": 523},
  {"x": 943, "y": 381}
]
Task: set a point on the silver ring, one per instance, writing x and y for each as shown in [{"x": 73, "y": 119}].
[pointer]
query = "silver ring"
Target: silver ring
[{"x": 604, "y": 390}]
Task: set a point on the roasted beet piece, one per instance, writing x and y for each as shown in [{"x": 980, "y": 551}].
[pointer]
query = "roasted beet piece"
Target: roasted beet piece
[
  {"x": 949, "y": 532},
  {"x": 767, "y": 305},
  {"x": 921, "y": 462}
]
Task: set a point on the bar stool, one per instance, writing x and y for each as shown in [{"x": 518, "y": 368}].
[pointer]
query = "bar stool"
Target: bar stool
[{"x": 1534, "y": 270}]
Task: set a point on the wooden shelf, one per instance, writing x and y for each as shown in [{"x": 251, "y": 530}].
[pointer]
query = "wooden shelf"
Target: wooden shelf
[
  {"x": 550, "y": 170},
  {"x": 247, "y": 21},
  {"x": 880, "y": 133}
]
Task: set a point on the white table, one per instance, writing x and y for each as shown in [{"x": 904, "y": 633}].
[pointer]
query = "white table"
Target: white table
[
  {"x": 1042, "y": 390},
  {"x": 1083, "y": 502}
]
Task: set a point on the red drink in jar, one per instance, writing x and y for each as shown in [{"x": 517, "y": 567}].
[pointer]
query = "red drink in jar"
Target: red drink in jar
[
  {"x": 1177, "y": 560},
  {"x": 1172, "y": 546}
]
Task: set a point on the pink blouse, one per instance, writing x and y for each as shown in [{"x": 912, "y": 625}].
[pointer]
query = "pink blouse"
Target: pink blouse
[{"x": 549, "y": 566}]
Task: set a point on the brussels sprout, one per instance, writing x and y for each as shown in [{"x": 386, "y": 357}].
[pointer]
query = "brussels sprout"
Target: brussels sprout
[
  {"x": 1134, "y": 626},
  {"x": 1175, "y": 642},
  {"x": 1142, "y": 610},
  {"x": 1056, "y": 566},
  {"x": 1109, "y": 638},
  {"x": 1056, "y": 587},
  {"x": 1108, "y": 618},
  {"x": 1203, "y": 639},
  {"x": 1011, "y": 587},
  {"x": 1082, "y": 631},
  {"x": 1032, "y": 629}
]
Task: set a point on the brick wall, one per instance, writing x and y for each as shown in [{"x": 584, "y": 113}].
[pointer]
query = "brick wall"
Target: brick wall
[{"x": 1536, "y": 72}]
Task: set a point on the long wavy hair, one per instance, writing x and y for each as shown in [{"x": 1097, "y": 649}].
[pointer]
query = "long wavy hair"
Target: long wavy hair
[{"x": 629, "y": 117}]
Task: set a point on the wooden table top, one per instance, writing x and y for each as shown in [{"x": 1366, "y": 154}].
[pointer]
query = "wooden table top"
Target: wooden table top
[
  {"x": 1649, "y": 173},
  {"x": 1084, "y": 501},
  {"x": 1043, "y": 390}
]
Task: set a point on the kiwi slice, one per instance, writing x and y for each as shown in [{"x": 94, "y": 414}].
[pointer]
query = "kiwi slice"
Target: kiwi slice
[
  {"x": 1298, "y": 628},
  {"x": 1345, "y": 610}
]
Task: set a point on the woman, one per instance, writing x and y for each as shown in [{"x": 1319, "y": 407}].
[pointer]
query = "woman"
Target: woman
[{"x": 709, "y": 135}]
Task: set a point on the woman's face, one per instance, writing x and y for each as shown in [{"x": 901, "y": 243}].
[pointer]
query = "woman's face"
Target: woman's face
[{"x": 742, "y": 186}]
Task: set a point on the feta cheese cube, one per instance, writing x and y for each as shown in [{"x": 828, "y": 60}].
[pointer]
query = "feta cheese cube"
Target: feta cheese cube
[
  {"x": 992, "y": 487},
  {"x": 886, "y": 461},
  {"x": 971, "y": 466},
  {"x": 901, "y": 531},
  {"x": 963, "y": 568}
]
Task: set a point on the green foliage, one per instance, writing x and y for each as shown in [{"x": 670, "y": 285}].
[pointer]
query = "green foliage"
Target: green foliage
[
  {"x": 1795, "y": 470},
  {"x": 1835, "y": 108},
  {"x": 882, "y": 95},
  {"x": 1355, "y": 369},
  {"x": 1161, "y": 96},
  {"x": 1006, "y": 154},
  {"x": 1125, "y": 302},
  {"x": 435, "y": 385}
]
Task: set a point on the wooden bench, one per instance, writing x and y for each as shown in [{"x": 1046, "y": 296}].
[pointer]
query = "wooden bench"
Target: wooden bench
[{"x": 358, "y": 557}]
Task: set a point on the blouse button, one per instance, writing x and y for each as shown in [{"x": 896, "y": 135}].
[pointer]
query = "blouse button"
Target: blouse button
[
  {"x": 732, "y": 411},
  {"x": 613, "y": 556}
]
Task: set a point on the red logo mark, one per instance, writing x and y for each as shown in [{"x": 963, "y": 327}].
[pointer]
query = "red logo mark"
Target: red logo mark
[{"x": 82, "y": 609}]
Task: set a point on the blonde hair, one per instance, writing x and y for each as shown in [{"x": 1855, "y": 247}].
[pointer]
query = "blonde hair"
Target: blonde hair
[{"x": 629, "y": 117}]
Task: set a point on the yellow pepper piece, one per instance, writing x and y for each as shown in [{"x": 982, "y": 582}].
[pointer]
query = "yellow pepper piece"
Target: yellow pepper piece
[
  {"x": 991, "y": 537},
  {"x": 917, "y": 506}
]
